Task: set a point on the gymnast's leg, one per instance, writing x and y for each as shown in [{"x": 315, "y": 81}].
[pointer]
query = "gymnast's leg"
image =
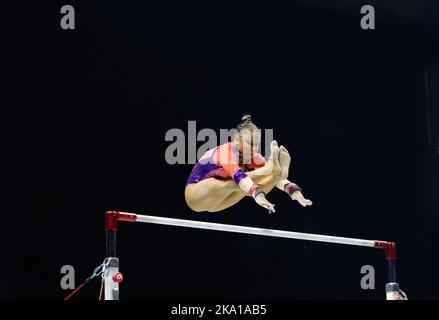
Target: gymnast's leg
[{"x": 215, "y": 195}]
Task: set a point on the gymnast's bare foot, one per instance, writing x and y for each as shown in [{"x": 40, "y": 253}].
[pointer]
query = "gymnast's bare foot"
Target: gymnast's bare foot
[
  {"x": 284, "y": 161},
  {"x": 273, "y": 160},
  {"x": 272, "y": 166}
]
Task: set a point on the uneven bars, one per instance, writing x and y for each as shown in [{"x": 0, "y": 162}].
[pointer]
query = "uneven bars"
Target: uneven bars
[{"x": 112, "y": 218}]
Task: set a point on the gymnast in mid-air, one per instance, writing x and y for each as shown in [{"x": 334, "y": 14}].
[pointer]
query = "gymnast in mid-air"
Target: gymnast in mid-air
[{"x": 226, "y": 174}]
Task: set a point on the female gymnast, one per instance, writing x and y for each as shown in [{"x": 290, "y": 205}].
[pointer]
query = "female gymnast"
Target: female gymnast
[{"x": 226, "y": 174}]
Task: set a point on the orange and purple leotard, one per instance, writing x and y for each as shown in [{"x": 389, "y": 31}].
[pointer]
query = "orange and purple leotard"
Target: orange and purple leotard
[{"x": 223, "y": 163}]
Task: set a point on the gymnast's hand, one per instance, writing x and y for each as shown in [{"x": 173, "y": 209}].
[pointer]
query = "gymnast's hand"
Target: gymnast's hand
[
  {"x": 263, "y": 202},
  {"x": 297, "y": 195}
]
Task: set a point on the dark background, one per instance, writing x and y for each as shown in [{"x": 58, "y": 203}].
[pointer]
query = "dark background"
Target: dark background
[{"x": 90, "y": 109}]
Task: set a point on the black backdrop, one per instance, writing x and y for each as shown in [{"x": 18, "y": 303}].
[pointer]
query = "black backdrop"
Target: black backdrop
[{"x": 93, "y": 106}]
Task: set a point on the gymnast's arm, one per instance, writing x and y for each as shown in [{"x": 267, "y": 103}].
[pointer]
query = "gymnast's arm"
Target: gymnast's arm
[{"x": 229, "y": 162}]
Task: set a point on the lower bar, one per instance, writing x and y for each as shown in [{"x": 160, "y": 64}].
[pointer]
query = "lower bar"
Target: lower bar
[{"x": 247, "y": 230}]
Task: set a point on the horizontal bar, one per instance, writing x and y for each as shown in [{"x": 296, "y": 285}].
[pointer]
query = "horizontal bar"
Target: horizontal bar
[{"x": 248, "y": 230}]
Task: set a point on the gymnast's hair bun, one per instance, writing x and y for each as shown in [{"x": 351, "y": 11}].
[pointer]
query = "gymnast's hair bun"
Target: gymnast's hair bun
[{"x": 246, "y": 118}]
